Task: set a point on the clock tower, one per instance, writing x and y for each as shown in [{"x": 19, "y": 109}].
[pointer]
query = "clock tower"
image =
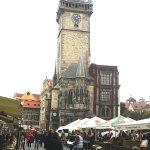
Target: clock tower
[
  {"x": 73, "y": 40},
  {"x": 73, "y": 90},
  {"x": 80, "y": 89}
]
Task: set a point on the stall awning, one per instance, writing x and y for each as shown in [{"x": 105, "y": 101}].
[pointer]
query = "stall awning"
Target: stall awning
[{"x": 10, "y": 107}]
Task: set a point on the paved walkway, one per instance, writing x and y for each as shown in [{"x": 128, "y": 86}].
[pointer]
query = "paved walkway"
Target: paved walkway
[{"x": 41, "y": 148}]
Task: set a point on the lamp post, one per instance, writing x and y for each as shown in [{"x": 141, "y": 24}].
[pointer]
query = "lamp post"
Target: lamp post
[
  {"x": 48, "y": 99},
  {"x": 18, "y": 135}
]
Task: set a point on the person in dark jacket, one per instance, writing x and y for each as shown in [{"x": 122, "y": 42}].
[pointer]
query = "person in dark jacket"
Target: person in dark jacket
[
  {"x": 55, "y": 143},
  {"x": 47, "y": 140},
  {"x": 37, "y": 140}
]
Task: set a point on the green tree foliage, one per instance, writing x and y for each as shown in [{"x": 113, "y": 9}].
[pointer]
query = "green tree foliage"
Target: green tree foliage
[{"x": 136, "y": 115}]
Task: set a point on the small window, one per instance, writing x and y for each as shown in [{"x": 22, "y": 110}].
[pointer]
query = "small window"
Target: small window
[{"x": 28, "y": 93}]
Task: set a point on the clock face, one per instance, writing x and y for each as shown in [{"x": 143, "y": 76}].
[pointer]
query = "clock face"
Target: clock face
[{"x": 76, "y": 18}]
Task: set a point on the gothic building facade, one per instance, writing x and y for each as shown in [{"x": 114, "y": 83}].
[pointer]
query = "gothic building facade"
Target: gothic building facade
[
  {"x": 76, "y": 94},
  {"x": 74, "y": 83},
  {"x": 106, "y": 91}
]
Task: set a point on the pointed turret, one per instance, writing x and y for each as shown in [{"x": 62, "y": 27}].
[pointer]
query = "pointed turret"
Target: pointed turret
[{"x": 55, "y": 77}]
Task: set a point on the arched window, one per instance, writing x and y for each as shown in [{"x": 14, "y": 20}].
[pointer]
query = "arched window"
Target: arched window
[
  {"x": 77, "y": 93},
  {"x": 106, "y": 112},
  {"x": 103, "y": 112},
  {"x": 81, "y": 94},
  {"x": 70, "y": 97},
  {"x": 66, "y": 97}
]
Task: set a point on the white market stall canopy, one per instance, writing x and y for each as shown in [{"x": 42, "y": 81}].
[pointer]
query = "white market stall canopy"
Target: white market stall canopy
[
  {"x": 93, "y": 122},
  {"x": 108, "y": 124},
  {"x": 114, "y": 123},
  {"x": 74, "y": 123},
  {"x": 84, "y": 123},
  {"x": 135, "y": 125}
]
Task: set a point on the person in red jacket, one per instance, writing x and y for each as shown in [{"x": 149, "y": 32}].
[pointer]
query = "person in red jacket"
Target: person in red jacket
[{"x": 30, "y": 139}]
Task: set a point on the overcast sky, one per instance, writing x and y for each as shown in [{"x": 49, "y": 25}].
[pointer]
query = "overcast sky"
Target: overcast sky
[{"x": 120, "y": 36}]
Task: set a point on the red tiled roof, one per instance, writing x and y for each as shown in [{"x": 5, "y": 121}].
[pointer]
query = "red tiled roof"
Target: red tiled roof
[
  {"x": 29, "y": 101},
  {"x": 31, "y": 104},
  {"x": 137, "y": 105},
  {"x": 37, "y": 96}
]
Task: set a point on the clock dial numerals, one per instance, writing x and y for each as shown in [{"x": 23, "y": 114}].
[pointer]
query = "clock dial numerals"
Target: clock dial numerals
[{"x": 76, "y": 18}]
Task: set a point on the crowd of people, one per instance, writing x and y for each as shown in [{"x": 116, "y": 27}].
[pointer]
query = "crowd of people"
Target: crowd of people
[
  {"x": 75, "y": 140},
  {"x": 7, "y": 139},
  {"x": 87, "y": 138},
  {"x": 46, "y": 139}
]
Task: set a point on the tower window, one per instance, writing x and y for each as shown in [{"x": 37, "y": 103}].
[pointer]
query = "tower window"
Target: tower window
[
  {"x": 67, "y": 4},
  {"x": 105, "y": 95},
  {"x": 70, "y": 97},
  {"x": 106, "y": 78},
  {"x": 106, "y": 112},
  {"x": 86, "y": 7},
  {"x": 28, "y": 93}
]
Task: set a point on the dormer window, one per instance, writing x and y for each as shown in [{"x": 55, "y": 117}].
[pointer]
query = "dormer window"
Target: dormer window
[{"x": 28, "y": 93}]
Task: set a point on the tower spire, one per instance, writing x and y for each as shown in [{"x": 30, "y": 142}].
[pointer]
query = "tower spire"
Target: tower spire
[{"x": 55, "y": 76}]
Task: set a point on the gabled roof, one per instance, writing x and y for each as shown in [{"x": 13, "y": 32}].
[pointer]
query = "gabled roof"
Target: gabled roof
[
  {"x": 139, "y": 105},
  {"x": 131, "y": 99},
  {"x": 27, "y": 95},
  {"x": 29, "y": 100},
  {"x": 72, "y": 72},
  {"x": 77, "y": 70},
  {"x": 136, "y": 105}
]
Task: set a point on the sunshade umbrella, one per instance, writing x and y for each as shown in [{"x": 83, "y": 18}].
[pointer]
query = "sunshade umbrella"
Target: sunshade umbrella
[
  {"x": 123, "y": 121},
  {"x": 93, "y": 122},
  {"x": 108, "y": 124},
  {"x": 10, "y": 107}
]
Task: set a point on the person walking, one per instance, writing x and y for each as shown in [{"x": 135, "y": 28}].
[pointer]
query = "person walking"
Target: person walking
[
  {"x": 78, "y": 145},
  {"x": 55, "y": 142},
  {"x": 22, "y": 140},
  {"x": 30, "y": 139},
  {"x": 37, "y": 140},
  {"x": 47, "y": 140}
]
